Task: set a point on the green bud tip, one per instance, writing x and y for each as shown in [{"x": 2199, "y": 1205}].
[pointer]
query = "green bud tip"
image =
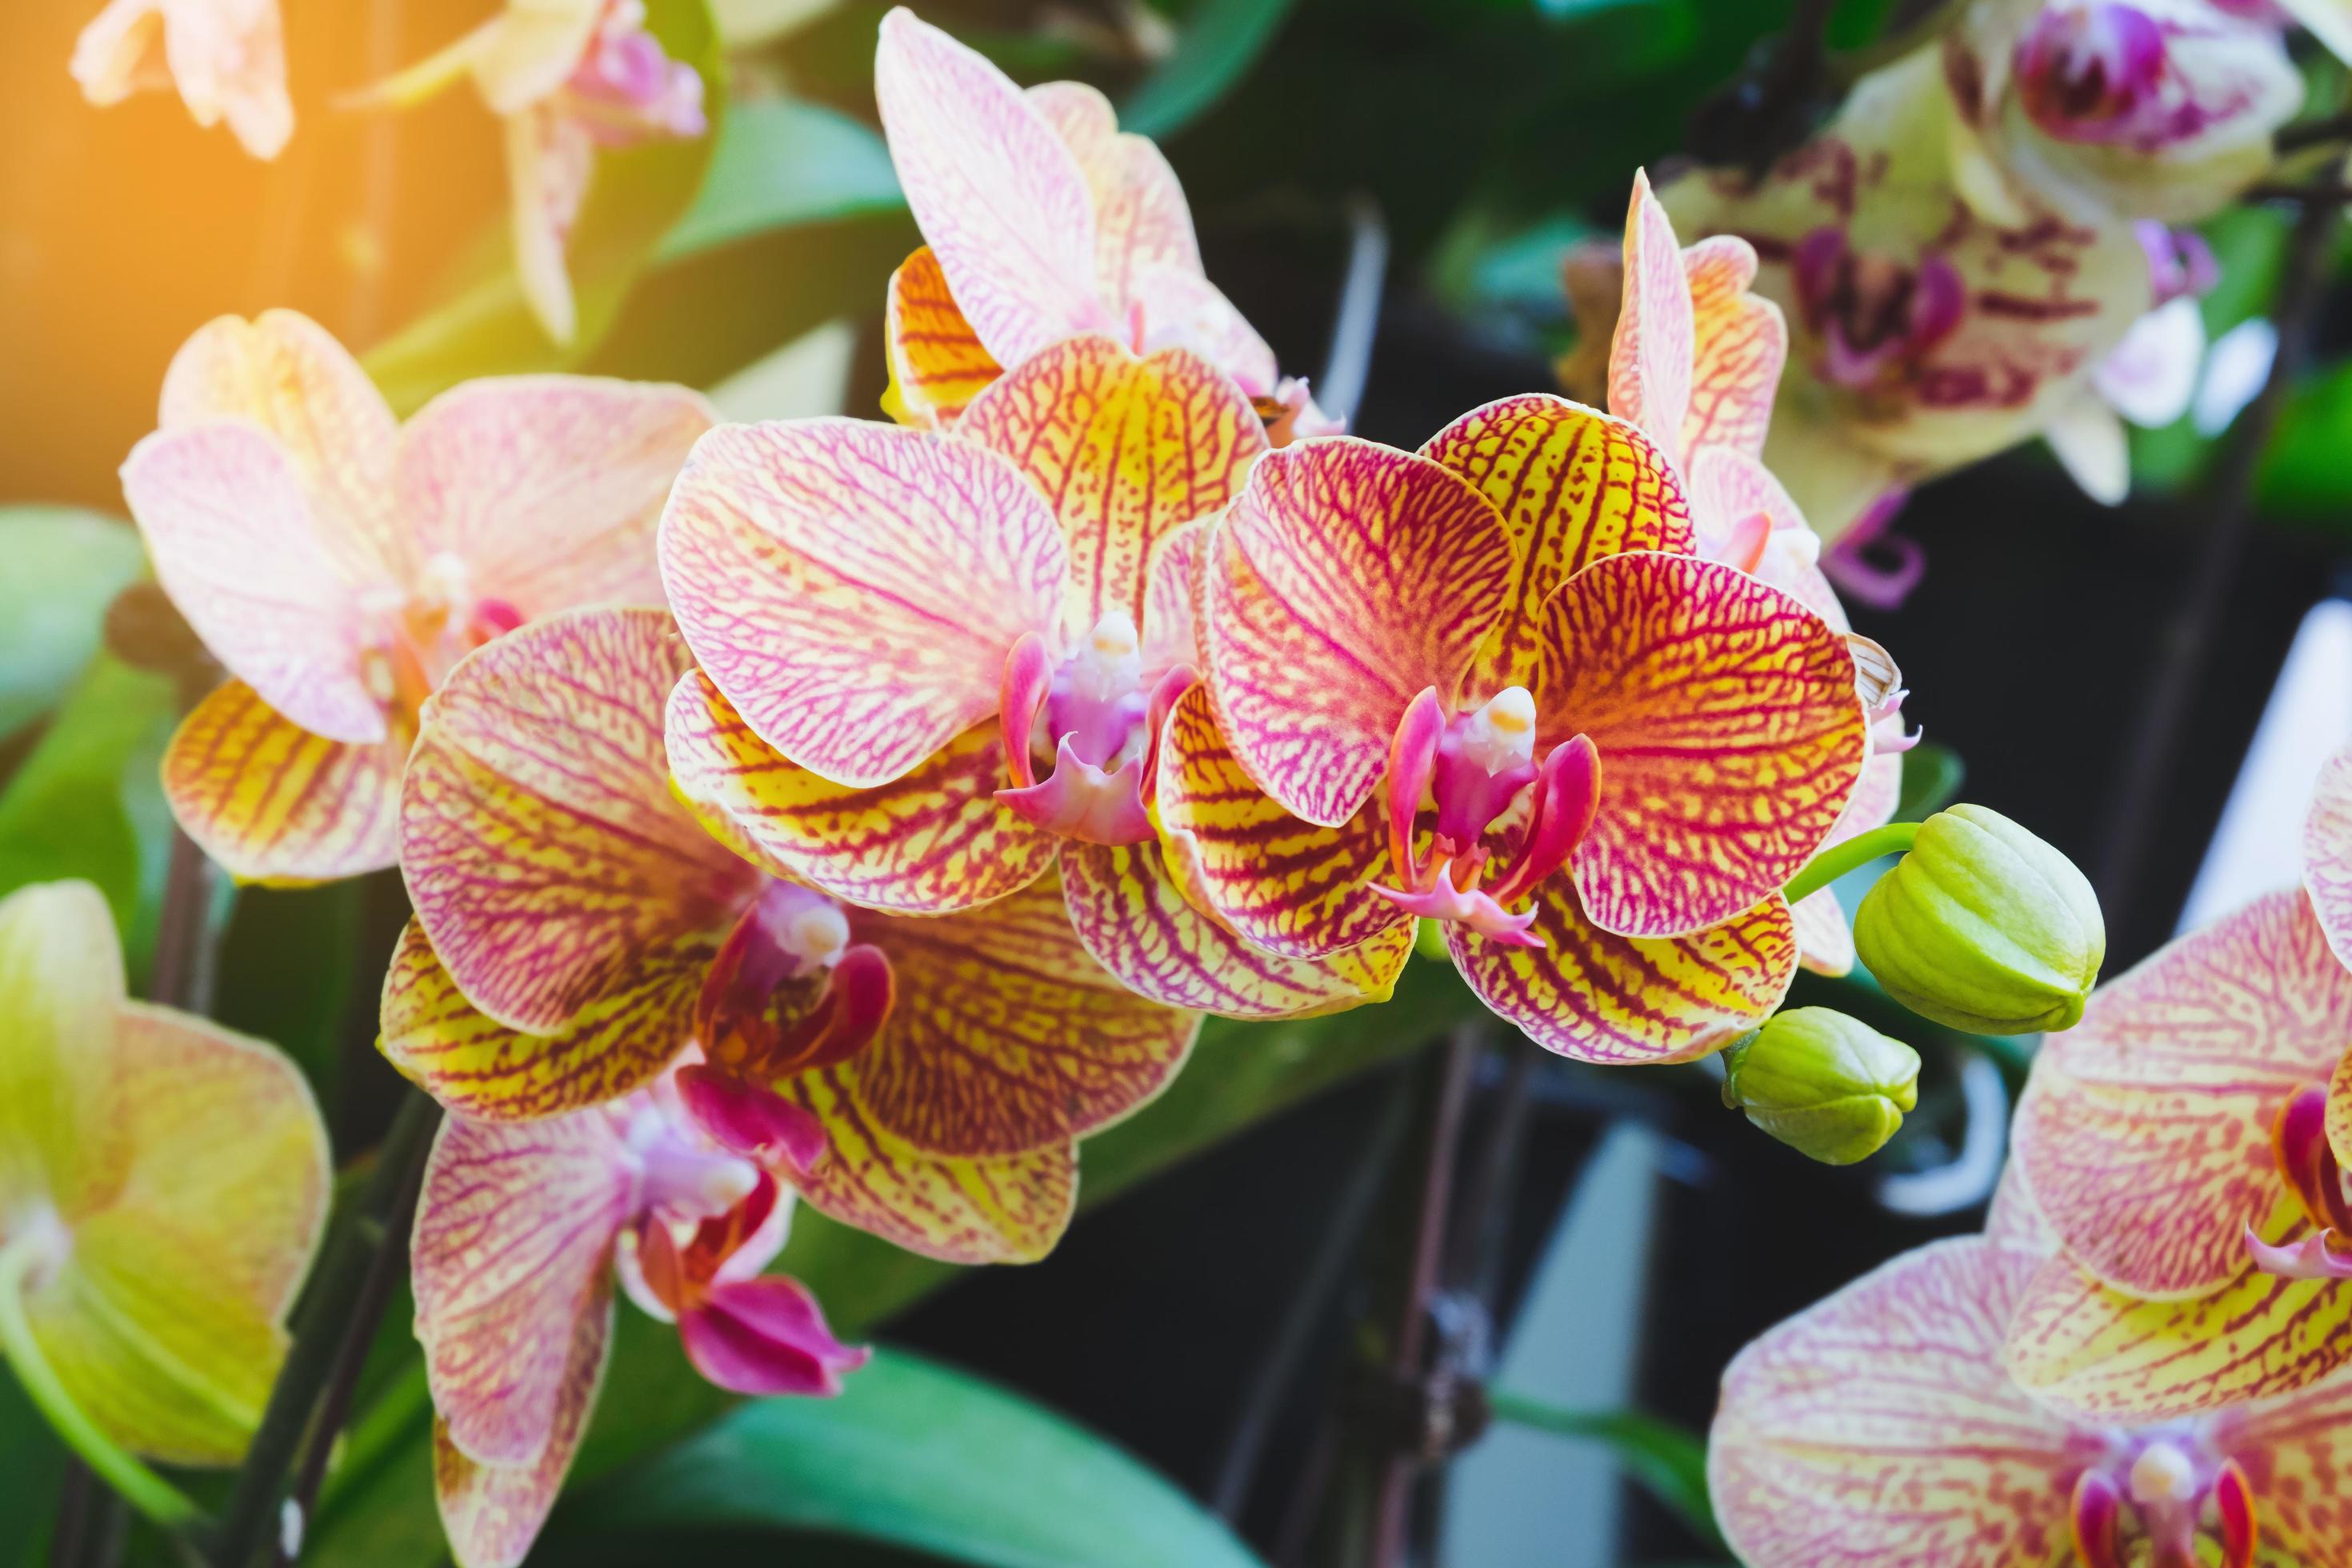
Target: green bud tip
[{"x": 1827, "y": 1086}]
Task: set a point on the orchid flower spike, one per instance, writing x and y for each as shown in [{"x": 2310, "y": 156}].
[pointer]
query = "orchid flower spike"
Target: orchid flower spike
[
  {"x": 227, "y": 58},
  {"x": 569, "y": 79},
  {"x": 162, "y": 1186},
  {"x": 579, "y": 927},
  {"x": 338, "y": 562},
  {"x": 522, "y": 1229},
  {"x": 1042, "y": 221}
]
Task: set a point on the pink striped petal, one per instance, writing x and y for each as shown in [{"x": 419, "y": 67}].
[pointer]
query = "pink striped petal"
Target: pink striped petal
[
  {"x": 512, "y": 1255},
  {"x": 1877, "y": 1428},
  {"x": 275, "y": 803},
  {"x": 1347, "y": 578},
  {"x": 2015, "y": 1220},
  {"x": 492, "y": 1514},
  {"x": 999, "y": 195},
  {"x": 1729, "y": 731},
  {"x": 547, "y": 489},
  {"x": 1180, "y": 309},
  {"x": 2328, "y": 852},
  {"x": 854, "y": 588},
  {"x": 1141, "y": 219},
  {"x": 1171, "y": 630},
  {"x": 1650, "y": 358},
  {"x": 1128, "y": 449},
  {"x": 2146, "y": 1130},
  {"x": 1739, "y": 344},
  {"x": 545, "y": 854},
  {"x": 247, "y": 559},
  {"x": 765, "y": 1336}
]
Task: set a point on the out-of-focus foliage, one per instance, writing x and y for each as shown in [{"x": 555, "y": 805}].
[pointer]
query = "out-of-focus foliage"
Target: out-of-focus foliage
[{"x": 64, "y": 567}]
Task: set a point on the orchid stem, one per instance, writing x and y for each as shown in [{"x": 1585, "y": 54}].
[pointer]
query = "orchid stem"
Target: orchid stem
[
  {"x": 132, "y": 1481},
  {"x": 1839, "y": 859}
]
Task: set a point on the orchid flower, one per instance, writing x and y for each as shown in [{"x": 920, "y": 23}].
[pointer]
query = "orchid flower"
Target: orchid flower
[
  {"x": 2176, "y": 1141},
  {"x": 1880, "y": 1430},
  {"x": 1695, "y": 364},
  {"x": 163, "y": 1185},
  {"x": 521, "y": 1228},
  {"x": 937, "y": 665},
  {"x": 1498, "y": 666},
  {"x": 577, "y": 928},
  {"x": 226, "y": 58},
  {"x": 338, "y": 562},
  {"x": 1923, "y": 334},
  {"x": 2149, "y": 379},
  {"x": 569, "y": 79},
  {"x": 1041, "y": 221}
]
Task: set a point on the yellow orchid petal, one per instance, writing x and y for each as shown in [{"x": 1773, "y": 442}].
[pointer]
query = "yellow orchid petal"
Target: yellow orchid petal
[
  {"x": 60, "y": 988},
  {"x": 938, "y": 363},
  {"x": 274, "y": 802}
]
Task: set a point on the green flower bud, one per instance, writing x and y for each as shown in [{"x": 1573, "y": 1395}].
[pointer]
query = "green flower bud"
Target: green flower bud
[
  {"x": 1984, "y": 927},
  {"x": 1832, "y": 1088}
]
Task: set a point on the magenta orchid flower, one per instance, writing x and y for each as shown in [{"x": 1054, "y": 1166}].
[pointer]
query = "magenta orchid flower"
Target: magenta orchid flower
[
  {"x": 1880, "y": 1428},
  {"x": 941, "y": 665},
  {"x": 578, "y": 930},
  {"x": 225, "y": 57},
  {"x": 569, "y": 79},
  {"x": 2177, "y": 1141},
  {"x": 522, "y": 1229},
  {"x": 1042, "y": 221},
  {"x": 338, "y": 562}
]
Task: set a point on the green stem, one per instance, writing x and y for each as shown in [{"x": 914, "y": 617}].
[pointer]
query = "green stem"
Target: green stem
[
  {"x": 142, "y": 1487},
  {"x": 1839, "y": 859}
]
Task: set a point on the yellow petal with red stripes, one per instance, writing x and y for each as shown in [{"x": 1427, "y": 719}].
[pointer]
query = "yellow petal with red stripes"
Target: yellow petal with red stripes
[
  {"x": 1279, "y": 883},
  {"x": 938, "y": 362},
  {"x": 2103, "y": 1356},
  {"x": 2339, "y": 1110},
  {"x": 1622, "y": 1000},
  {"x": 1004, "y": 1036},
  {"x": 1009, "y": 1210},
  {"x": 479, "y": 1067},
  {"x": 274, "y": 802},
  {"x": 1127, "y": 450},
  {"x": 1138, "y": 924},
  {"x": 933, "y": 841}
]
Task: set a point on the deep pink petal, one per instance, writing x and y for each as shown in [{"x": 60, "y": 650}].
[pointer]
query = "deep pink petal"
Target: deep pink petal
[{"x": 765, "y": 1336}]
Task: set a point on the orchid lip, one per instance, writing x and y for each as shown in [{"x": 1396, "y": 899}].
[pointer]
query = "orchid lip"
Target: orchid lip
[
  {"x": 792, "y": 947},
  {"x": 1101, "y": 717},
  {"x": 2307, "y": 1162},
  {"x": 2158, "y": 1487}
]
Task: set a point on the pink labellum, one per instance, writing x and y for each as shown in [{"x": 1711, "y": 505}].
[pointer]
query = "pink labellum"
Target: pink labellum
[
  {"x": 1028, "y": 677},
  {"x": 1080, "y": 801},
  {"x": 2299, "y": 1140},
  {"x": 755, "y": 1122},
  {"x": 1873, "y": 565},
  {"x": 1567, "y": 799},
  {"x": 2313, "y": 1258},
  {"x": 2233, "y": 1499},
  {"x": 1101, "y": 719},
  {"x": 1164, "y": 698},
  {"x": 1876, "y": 316},
  {"x": 1467, "y": 907},
  {"x": 1413, "y": 764},
  {"x": 765, "y": 1336},
  {"x": 787, "y": 992},
  {"x": 2097, "y": 1520}
]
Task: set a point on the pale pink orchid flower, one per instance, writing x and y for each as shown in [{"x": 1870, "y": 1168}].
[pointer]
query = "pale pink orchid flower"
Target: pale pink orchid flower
[{"x": 225, "y": 57}]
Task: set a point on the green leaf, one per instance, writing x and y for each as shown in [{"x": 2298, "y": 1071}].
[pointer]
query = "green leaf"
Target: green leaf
[
  {"x": 1239, "y": 1074},
  {"x": 778, "y": 164},
  {"x": 65, "y": 566},
  {"x": 289, "y": 961},
  {"x": 88, "y": 801},
  {"x": 637, "y": 196},
  {"x": 1669, "y": 1463},
  {"x": 1932, "y": 776},
  {"x": 1220, "y": 42},
  {"x": 917, "y": 1456},
  {"x": 31, "y": 1469}
]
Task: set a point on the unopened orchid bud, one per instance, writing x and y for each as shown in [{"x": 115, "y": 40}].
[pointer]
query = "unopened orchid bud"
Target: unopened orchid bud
[
  {"x": 1984, "y": 927},
  {"x": 1830, "y": 1088}
]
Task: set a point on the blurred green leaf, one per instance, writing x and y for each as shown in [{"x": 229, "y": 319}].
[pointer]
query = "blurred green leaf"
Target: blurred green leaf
[
  {"x": 32, "y": 1467},
  {"x": 88, "y": 801},
  {"x": 1932, "y": 776},
  {"x": 914, "y": 1455},
  {"x": 1218, "y": 44},
  {"x": 637, "y": 196},
  {"x": 1669, "y": 1463},
  {"x": 780, "y": 162},
  {"x": 1239, "y": 1074},
  {"x": 288, "y": 964},
  {"x": 65, "y": 566}
]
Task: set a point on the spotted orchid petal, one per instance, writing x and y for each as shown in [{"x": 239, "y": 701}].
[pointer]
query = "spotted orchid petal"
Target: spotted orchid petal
[
  {"x": 1572, "y": 486},
  {"x": 227, "y": 58},
  {"x": 1876, "y": 1429},
  {"x": 1172, "y": 633},
  {"x": 1006, "y": 1210},
  {"x": 934, "y": 840},
  {"x": 1739, "y": 344},
  {"x": 1616, "y": 1000},
  {"x": 2328, "y": 852},
  {"x": 2103, "y": 1356},
  {"x": 492, "y": 1514},
  {"x": 1281, "y": 884},
  {"x": 2339, "y": 1110},
  {"x": 1824, "y": 936},
  {"x": 546, "y": 491},
  {"x": 1000, "y": 198},
  {"x": 854, "y": 588},
  {"x": 1729, "y": 731},
  {"x": 512, "y": 1255},
  {"x": 1127, "y": 450},
  {"x": 1132, "y": 916},
  {"x": 1650, "y": 378},
  {"x": 1348, "y": 578},
  {"x": 938, "y": 363},
  {"x": 765, "y": 1336},
  {"x": 1141, "y": 219},
  {"x": 2300, "y": 1447},
  {"x": 2146, "y": 1130},
  {"x": 1006, "y": 1037},
  {"x": 546, "y": 856},
  {"x": 2015, "y": 1220},
  {"x": 274, "y": 802}
]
